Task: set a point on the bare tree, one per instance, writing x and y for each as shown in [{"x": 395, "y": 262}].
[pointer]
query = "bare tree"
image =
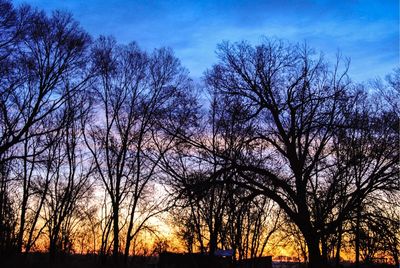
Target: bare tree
[
  {"x": 52, "y": 49},
  {"x": 37, "y": 53},
  {"x": 368, "y": 157},
  {"x": 387, "y": 219},
  {"x": 138, "y": 95},
  {"x": 297, "y": 104},
  {"x": 7, "y": 213},
  {"x": 388, "y": 91},
  {"x": 214, "y": 213},
  {"x": 12, "y": 29},
  {"x": 69, "y": 190}
]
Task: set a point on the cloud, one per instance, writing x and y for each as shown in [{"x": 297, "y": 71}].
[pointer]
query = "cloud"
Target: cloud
[{"x": 366, "y": 31}]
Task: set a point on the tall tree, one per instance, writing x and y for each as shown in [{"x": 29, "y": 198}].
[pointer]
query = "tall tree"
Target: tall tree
[
  {"x": 213, "y": 213},
  {"x": 42, "y": 66},
  {"x": 367, "y": 156},
  {"x": 70, "y": 188},
  {"x": 297, "y": 105},
  {"x": 52, "y": 49},
  {"x": 138, "y": 94}
]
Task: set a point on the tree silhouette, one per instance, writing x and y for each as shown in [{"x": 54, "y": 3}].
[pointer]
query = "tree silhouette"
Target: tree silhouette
[
  {"x": 139, "y": 96},
  {"x": 297, "y": 105}
]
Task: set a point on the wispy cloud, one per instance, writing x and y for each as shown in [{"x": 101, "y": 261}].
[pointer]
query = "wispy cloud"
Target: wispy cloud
[{"x": 366, "y": 31}]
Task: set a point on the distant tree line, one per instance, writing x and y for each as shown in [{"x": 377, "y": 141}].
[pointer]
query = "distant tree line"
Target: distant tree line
[{"x": 98, "y": 138}]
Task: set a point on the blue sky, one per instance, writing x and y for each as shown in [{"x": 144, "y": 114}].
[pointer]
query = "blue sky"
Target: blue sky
[{"x": 367, "y": 31}]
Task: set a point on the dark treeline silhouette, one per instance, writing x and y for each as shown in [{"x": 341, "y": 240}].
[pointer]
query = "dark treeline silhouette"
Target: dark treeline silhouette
[
  {"x": 98, "y": 138},
  {"x": 286, "y": 126}
]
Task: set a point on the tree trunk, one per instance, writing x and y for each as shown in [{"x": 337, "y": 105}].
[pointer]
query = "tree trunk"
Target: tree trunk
[
  {"x": 52, "y": 250},
  {"x": 25, "y": 196},
  {"x": 129, "y": 237},
  {"x": 396, "y": 260},
  {"x": 116, "y": 233},
  {"x": 314, "y": 254},
  {"x": 22, "y": 221},
  {"x": 324, "y": 249},
  {"x": 213, "y": 242},
  {"x": 357, "y": 238},
  {"x": 339, "y": 245},
  {"x": 53, "y": 247},
  {"x": 31, "y": 240},
  {"x": 127, "y": 247}
]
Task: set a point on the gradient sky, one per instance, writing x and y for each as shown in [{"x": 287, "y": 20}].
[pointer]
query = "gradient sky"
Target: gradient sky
[{"x": 367, "y": 31}]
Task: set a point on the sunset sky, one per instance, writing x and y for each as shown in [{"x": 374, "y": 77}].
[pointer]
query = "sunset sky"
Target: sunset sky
[
  {"x": 367, "y": 31},
  {"x": 110, "y": 153}
]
